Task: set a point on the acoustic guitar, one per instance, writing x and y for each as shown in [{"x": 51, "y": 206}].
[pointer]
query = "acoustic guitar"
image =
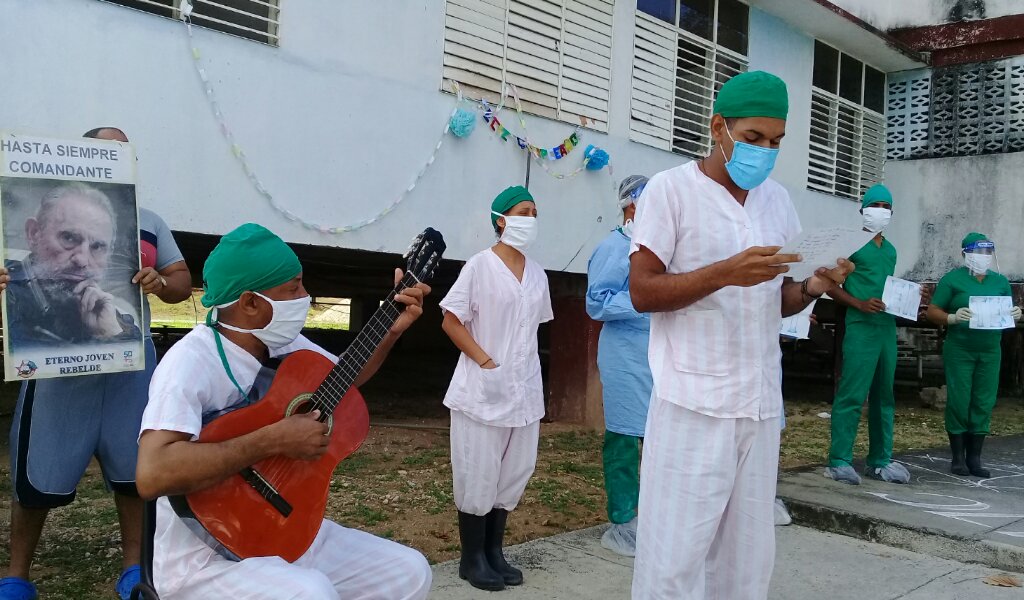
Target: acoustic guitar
[{"x": 275, "y": 507}]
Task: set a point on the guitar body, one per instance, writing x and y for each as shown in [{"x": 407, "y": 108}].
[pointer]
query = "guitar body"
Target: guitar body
[{"x": 233, "y": 512}]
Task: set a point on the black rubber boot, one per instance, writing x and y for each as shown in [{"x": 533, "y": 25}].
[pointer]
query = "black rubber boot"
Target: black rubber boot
[
  {"x": 956, "y": 446},
  {"x": 974, "y": 442},
  {"x": 473, "y": 565},
  {"x": 492, "y": 548}
]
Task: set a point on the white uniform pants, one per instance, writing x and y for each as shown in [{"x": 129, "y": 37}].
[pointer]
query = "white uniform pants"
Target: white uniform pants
[
  {"x": 491, "y": 465},
  {"x": 341, "y": 563},
  {"x": 707, "y": 493}
]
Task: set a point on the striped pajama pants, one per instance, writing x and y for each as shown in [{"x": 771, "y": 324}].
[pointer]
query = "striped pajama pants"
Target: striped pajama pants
[
  {"x": 341, "y": 563},
  {"x": 707, "y": 491},
  {"x": 491, "y": 465}
]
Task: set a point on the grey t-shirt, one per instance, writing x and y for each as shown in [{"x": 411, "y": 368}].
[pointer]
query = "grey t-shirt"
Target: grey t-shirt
[{"x": 158, "y": 250}]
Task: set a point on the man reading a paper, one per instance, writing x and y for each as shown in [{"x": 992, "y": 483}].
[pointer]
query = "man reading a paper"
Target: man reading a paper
[
  {"x": 869, "y": 354},
  {"x": 971, "y": 356},
  {"x": 704, "y": 261}
]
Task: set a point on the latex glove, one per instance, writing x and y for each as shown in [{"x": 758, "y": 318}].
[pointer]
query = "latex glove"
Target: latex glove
[
  {"x": 962, "y": 315},
  {"x": 1015, "y": 312}
]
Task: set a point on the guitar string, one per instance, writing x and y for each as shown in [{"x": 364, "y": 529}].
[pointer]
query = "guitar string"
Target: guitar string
[
  {"x": 279, "y": 466},
  {"x": 278, "y": 469}
]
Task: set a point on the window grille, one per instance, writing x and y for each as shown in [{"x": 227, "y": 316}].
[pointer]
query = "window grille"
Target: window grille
[
  {"x": 961, "y": 110},
  {"x": 847, "y": 144},
  {"x": 251, "y": 19},
  {"x": 556, "y": 52},
  {"x": 683, "y": 51},
  {"x": 907, "y": 115}
]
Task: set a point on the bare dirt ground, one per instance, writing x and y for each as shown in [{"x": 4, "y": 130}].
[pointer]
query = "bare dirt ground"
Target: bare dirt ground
[{"x": 398, "y": 485}]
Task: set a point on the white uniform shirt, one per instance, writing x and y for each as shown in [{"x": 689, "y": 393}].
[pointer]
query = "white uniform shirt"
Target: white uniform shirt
[
  {"x": 719, "y": 356},
  {"x": 502, "y": 315},
  {"x": 190, "y": 382}
]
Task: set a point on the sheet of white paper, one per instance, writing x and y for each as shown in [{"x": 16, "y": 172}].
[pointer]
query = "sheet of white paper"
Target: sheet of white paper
[
  {"x": 799, "y": 325},
  {"x": 991, "y": 312},
  {"x": 902, "y": 298},
  {"x": 822, "y": 247}
]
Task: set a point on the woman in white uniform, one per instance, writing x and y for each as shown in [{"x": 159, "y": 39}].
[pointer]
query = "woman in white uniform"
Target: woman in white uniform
[{"x": 496, "y": 397}]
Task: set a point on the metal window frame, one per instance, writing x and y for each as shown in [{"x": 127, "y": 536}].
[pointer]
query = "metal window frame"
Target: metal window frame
[
  {"x": 693, "y": 137},
  {"x": 273, "y": 24},
  {"x": 556, "y": 111},
  {"x": 864, "y": 164},
  {"x": 867, "y": 136}
]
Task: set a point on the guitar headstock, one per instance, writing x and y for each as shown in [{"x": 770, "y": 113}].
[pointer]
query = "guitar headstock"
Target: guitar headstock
[{"x": 424, "y": 254}]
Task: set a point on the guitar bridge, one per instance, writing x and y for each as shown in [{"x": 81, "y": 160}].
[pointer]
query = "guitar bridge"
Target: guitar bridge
[{"x": 265, "y": 489}]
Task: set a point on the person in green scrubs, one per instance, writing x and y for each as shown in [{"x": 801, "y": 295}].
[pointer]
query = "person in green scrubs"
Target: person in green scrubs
[
  {"x": 869, "y": 354},
  {"x": 971, "y": 356}
]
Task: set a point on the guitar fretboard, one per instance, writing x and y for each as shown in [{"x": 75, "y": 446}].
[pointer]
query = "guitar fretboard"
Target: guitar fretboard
[{"x": 351, "y": 362}]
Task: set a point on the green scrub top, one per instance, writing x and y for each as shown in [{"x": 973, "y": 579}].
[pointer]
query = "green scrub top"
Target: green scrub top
[
  {"x": 873, "y": 264},
  {"x": 954, "y": 292}
]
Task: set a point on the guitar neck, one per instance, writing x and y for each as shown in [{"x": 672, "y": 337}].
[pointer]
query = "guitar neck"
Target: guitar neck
[{"x": 354, "y": 359}]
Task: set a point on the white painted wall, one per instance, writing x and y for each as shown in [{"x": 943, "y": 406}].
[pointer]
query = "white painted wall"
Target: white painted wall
[
  {"x": 337, "y": 121},
  {"x": 891, "y": 14}
]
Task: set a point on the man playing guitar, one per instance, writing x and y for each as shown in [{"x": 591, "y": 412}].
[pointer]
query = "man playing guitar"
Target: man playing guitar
[{"x": 253, "y": 283}]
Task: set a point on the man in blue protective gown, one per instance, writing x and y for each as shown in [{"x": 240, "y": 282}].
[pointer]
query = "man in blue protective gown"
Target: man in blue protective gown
[{"x": 625, "y": 374}]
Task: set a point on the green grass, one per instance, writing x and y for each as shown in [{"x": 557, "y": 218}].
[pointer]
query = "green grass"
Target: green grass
[
  {"x": 572, "y": 441},
  {"x": 592, "y": 473},
  {"x": 556, "y": 496},
  {"x": 425, "y": 457},
  {"x": 355, "y": 464},
  {"x": 362, "y": 514},
  {"x": 441, "y": 497}
]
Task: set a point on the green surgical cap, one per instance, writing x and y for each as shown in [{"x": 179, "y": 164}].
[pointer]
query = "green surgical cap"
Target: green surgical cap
[
  {"x": 753, "y": 94},
  {"x": 972, "y": 237},
  {"x": 876, "y": 193},
  {"x": 249, "y": 259},
  {"x": 507, "y": 199}
]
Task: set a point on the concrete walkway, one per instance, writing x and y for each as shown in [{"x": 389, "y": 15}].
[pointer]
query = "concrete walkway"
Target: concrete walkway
[
  {"x": 959, "y": 518},
  {"x": 810, "y": 565}
]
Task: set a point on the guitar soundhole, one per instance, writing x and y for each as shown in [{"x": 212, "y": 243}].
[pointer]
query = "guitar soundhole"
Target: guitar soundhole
[{"x": 301, "y": 405}]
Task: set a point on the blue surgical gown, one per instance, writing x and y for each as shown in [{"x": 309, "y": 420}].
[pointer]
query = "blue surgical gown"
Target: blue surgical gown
[{"x": 622, "y": 349}]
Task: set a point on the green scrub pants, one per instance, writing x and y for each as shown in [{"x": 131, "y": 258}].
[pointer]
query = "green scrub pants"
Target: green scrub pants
[
  {"x": 621, "y": 475},
  {"x": 869, "y": 368},
  {"x": 972, "y": 382}
]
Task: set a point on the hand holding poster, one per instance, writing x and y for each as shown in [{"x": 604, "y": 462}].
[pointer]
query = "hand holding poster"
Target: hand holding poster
[
  {"x": 902, "y": 298},
  {"x": 70, "y": 243},
  {"x": 991, "y": 312}
]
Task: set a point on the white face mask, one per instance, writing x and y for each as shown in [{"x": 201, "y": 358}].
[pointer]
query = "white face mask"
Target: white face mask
[
  {"x": 289, "y": 316},
  {"x": 627, "y": 228},
  {"x": 976, "y": 263},
  {"x": 876, "y": 219},
  {"x": 519, "y": 232}
]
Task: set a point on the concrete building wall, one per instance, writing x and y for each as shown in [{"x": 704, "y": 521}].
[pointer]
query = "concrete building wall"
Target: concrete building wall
[
  {"x": 894, "y": 14},
  {"x": 337, "y": 121},
  {"x": 945, "y": 198}
]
